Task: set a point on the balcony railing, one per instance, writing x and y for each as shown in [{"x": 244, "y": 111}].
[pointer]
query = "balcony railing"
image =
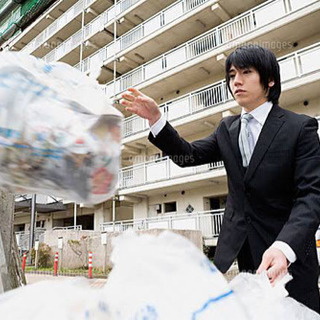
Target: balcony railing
[
  {"x": 292, "y": 65},
  {"x": 158, "y": 21},
  {"x": 77, "y": 228},
  {"x": 57, "y": 25},
  {"x": 72, "y": 13},
  {"x": 233, "y": 29},
  {"x": 23, "y": 238},
  {"x": 182, "y": 107},
  {"x": 159, "y": 170},
  {"x": 300, "y": 63},
  {"x": 95, "y": 26},
  {"x": 208, "y": 222}
]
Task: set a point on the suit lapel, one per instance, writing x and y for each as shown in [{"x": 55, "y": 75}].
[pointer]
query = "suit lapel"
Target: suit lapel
[
  {"x": 271, "y": 127},
  {"x": 234, "y": 135}
]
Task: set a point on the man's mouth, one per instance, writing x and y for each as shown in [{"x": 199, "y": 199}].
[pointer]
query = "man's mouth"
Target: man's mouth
[{"x": 239, "y": 91}]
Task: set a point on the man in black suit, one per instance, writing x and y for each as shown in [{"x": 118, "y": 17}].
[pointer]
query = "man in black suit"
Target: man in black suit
[{"x": 272, "y": 159}]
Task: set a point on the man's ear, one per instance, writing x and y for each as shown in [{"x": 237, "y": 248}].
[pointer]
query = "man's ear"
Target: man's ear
[{"x": 271, "y": 83}]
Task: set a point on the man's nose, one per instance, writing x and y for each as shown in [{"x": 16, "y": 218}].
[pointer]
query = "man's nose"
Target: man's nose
[{"x": 238, "y": 79}]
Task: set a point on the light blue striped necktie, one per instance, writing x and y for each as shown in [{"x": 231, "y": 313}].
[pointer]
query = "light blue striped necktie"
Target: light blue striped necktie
[{"x": 246, "y": 143}]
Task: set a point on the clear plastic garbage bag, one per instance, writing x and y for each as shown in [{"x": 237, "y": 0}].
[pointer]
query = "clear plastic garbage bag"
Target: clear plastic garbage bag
[
  {"x": 264, "y": 302},
  {"x": 162, "y": 277},
  {"x": 166, "y": 277},
  {"x": 59, "y": 133}
]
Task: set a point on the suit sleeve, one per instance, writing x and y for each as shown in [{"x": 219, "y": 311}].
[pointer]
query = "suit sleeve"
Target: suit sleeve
[
  {"x": 299, "y": 231},
  {"x": 183, "y": 153}
]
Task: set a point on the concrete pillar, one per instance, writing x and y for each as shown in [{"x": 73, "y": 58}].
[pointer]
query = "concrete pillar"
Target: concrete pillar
[
  {"x": 140, "y": 210},
  {"x": 98, "y": 216}
]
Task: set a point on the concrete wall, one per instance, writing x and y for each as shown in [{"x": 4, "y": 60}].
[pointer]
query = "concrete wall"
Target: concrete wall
[{"x": 77, "y": 244}]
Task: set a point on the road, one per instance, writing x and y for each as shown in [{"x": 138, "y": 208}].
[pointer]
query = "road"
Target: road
[{"x": 34, "y": 278}]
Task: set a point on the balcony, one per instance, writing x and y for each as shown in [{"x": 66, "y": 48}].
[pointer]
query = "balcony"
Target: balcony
[
  {"x": 159, "y": 170},
  {"x": 187, "y": 105},
  {"x": 41, "y": 23},
  {"x": 58, "y": 24},
  {"x": 292, "y": 66},
  {"x": 203, "y": 46},
  {"x": 208, "y": 222},
  {"x": 175, "y": 13},
  {"x": 94, "y": 31}
]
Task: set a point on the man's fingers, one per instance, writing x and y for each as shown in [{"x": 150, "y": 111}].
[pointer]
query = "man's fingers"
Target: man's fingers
[
  {"x": 126, "y": 103},
  {"x": 265, "y": 264},
  {"x": 272, "y": 273},
  {"x": 135, "y": 92},
  {"x": 275, "y": 273},
  {"x": 128, "y": 97}
]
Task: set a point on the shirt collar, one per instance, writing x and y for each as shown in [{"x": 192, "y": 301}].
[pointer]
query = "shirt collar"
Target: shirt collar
[{"x": 260, "y": 113}]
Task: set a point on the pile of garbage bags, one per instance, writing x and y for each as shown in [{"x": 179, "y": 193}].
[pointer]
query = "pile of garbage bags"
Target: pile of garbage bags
[
  {"x": 59, "y": 133},
  {"x": 162, "y": 277}
]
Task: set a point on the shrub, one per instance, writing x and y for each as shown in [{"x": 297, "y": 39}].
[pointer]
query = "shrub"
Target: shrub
[{"x": 45, "y": 259}]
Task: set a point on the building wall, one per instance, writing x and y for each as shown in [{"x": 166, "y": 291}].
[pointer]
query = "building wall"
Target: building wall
[
  {"x": 77, "y": 244},
  {"x": 198, "y": 196}
]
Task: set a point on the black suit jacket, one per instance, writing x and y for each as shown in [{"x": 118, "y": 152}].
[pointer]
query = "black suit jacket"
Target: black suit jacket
[{"x": 276, "y": 198}]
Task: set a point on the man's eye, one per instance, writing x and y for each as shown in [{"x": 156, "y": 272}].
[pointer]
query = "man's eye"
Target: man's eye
[{"x": 231, "y": 76}]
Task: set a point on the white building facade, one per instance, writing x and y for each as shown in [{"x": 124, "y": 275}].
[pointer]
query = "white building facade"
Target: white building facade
[{"x": 174, "y": 51}]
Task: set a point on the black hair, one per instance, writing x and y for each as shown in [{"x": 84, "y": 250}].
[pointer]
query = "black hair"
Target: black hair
[{"x": 262, "y": 60}]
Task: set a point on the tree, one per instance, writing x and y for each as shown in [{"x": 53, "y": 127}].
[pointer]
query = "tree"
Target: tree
[{"x": 11, "y": 274}]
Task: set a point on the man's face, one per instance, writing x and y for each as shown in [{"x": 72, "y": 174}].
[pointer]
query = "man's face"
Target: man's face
[{"x": 246, "y": 87}]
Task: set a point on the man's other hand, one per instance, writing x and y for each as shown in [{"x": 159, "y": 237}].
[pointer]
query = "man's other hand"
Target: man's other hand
[
  {"x": 275, "y": 263},
  {"x": 141, "y": 105}
]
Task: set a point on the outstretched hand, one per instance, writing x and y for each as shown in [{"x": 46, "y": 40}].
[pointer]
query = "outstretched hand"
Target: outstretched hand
[
  {"x": 275, "y": 263},
  {"x": 143, "y": 106}
]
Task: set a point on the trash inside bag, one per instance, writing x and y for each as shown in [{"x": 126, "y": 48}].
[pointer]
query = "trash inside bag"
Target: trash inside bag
[
  {"x": 167, "y": 277},
  {"x": 162, "y": 277},
  {"x": 264, "y": 302},
  {"x": 59, "y": 134}
]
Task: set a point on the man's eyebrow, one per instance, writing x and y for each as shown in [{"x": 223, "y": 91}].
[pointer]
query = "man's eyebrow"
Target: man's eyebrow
[{"x": 231, "y": 70}]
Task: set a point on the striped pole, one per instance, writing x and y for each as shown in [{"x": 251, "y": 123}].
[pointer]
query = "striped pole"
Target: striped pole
[
  {"x": 90, "y": 265},
  {"x": 24, "y": 261},
  {"x": 56, "y": 263}
]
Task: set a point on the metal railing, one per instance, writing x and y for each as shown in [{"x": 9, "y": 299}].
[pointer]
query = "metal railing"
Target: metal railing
[
  {"x": 23, "y": 238},
  {"x": 93, "y": 27},
  {"x": 56, "y": 25},
  {"x": 77, "y": 228},
  {"x": 156, "y": 22},
  {"x": 208, "y": 222},
  {"x": 293, "y": 65},
  {"x": 159, "y": 170},
  {"x": 191, "y": 103},
  {"x": 230, "y": 31},
  {"x": 300, "y": 63},
  {"x": 67, "y": 46}
]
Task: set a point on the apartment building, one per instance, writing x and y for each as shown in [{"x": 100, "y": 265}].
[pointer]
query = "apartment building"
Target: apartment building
[{"x": 175, "y": 52}]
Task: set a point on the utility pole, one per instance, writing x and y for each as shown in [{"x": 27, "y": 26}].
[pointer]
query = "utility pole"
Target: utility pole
[
  {"x": 75, "y": 216},
  {"x": 33, "y": 221},
  {"x": 11, "y": 274}
]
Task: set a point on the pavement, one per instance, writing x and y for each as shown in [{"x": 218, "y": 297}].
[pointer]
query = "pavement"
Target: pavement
[{"x": 34, "y": 278}]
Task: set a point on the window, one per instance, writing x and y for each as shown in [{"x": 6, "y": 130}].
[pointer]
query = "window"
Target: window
[
  {"x": 40, "y": 224},
  {"x": 170, "y": 207}
]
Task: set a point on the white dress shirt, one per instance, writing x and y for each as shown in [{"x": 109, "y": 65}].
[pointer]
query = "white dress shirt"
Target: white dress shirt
[{"x": 260, "y": 115}]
